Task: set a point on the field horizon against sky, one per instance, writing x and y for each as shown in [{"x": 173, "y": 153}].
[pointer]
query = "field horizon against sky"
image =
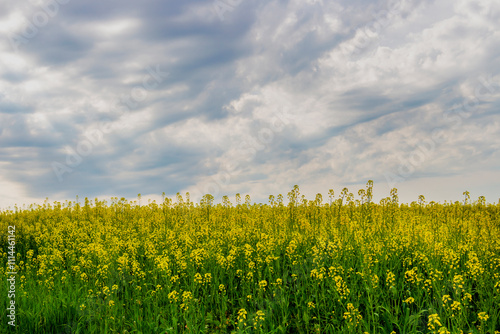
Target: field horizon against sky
[{"x": 116, "y": 98}]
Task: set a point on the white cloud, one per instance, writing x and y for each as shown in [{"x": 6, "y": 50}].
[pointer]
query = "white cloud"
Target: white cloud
[{"x": 271, "y": 97}]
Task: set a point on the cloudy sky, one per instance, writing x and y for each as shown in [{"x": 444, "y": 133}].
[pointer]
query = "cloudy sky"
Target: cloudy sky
[{"x": 115, "y": 98}]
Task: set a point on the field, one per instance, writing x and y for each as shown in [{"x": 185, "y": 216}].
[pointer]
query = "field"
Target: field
[{"x": 342, "y": 264}]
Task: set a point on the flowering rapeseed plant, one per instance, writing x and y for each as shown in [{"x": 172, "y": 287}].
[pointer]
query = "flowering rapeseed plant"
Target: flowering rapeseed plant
[{"x": 305, "y": 266}]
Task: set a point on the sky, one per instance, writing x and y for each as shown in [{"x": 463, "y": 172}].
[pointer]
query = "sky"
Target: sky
[{"x": 115, "y": 98}]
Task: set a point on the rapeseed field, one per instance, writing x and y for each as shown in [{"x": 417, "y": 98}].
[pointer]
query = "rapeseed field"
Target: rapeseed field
[{"x": 343, "y": 264}]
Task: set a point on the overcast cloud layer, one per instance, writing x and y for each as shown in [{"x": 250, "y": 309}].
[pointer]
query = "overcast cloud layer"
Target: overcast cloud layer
[{"x": 116, "y": 98}]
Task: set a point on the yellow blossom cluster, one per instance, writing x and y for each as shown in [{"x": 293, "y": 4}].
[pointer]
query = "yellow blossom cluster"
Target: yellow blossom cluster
[{"x": 333, "y": 266}]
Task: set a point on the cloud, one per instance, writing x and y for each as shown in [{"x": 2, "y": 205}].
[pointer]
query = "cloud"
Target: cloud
[{"x": 129, "y": 98}]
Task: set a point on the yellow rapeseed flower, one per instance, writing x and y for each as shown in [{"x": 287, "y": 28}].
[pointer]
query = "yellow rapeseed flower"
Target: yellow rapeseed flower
[
  {"x": 242, "y": 315},
  {"x": 434, "y": 322},
  {"x": 409, "y": 300},
  {"x": 482, "y": 316}
]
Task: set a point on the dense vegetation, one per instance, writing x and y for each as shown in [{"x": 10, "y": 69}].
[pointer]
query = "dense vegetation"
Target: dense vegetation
[{"x": 345, "y": 266}]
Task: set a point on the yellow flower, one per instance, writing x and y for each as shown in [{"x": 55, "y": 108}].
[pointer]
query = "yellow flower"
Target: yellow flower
[
  {"x": 443, "y": 330},
  {"x": 279, "y": 282},
  {"x": 352, "y": 316},
  {"x": 434, "y": 322},
  {"x": 317, "y": 274},
  {"x": 409, "y": 300},
  {"x": 458, "y": 283},
  {"x": 258, "y": 319},
  {"x": 198, "y": 278},
  {"x": 242, "y": 315},
  {"x": 173, "y": 296},
  {"x": 456, "y": 306},
  {"x": 111, "y": 303},
  {"x": 482, "y": 316},
  {"x": 446, "y": 299},
  {"x": 311, "y": 305},
  {"x": 208, "y": 278},
  {"x": 187, "y": 296}
]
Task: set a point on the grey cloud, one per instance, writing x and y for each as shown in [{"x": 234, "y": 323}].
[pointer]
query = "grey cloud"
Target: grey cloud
[
  {"x": 10, "y": 107},
  {"x": 158, "y": 146},
  {"x": 56, "y": 46}
]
